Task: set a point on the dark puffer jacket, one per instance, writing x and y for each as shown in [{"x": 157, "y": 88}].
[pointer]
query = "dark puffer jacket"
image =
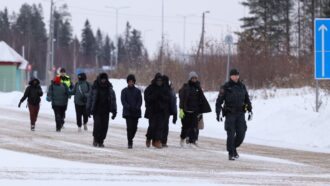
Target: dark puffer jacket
[
  {"x": 102, "y": 99},
  {"x": 131, "y": 99},
  {"x": 235, "y": 98},
  {"x": 33, "y": 92},
  {"x": 192, "y": 98},
  {"x": 157, "y": 98}
]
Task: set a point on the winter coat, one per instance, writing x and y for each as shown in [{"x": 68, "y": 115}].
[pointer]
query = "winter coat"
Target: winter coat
[
  {"x": 192, "y": 98},
  {"x": 81, "y": 92},
  {"x": 102, "y": 99},
  {"x": 33, "y": 93},
  {"x": 235, "y": 98},
  {"x": 157, "y": 99},
  {"x": 66, "y": 80},
  {"x": 58, "y": 94},
  {"x": 131, "y": 99}
]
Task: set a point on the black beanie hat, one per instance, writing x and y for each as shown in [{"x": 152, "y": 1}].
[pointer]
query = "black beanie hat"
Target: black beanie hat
[
  {"x": 131, "y": 77},
  {"x": 234, "y": 72}
]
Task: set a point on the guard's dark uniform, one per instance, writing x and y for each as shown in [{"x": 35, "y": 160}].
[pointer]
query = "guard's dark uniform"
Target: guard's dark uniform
[{"x": 236, "y": 102}]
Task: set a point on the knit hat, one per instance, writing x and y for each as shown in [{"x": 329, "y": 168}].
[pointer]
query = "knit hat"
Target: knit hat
[
  {"x": 192, "y": 75},
  {"x": 234, "y": 72},
  {"x": 131, "y": 77}
]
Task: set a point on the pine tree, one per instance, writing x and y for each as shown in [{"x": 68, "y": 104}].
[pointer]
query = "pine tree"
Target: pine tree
[
  {"x": 121, "y": 50},
  {"x": 88, "y": 41},
  {"x": 135, "y": 46},
  {"x": 107, "y": 51},
  {"x": 4, "y": 26},
  {"x": 269, "y": 25}
]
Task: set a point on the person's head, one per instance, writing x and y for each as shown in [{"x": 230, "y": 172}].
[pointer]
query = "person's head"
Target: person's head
[
  {"x": 166, "y": 80},
  {"x": 35, "y": 82},
  {"x": 234, "y": 75},
  {"x": 103, "y": 78},
  {"x": 62, "y": 72},
  {"x": 82, "y": 77},
  {"x": 193, "y": 77},
  {"x": 159, "y": 79},
  {"x": 131, "y": 80},
  {"x": 57, "y": 80}
]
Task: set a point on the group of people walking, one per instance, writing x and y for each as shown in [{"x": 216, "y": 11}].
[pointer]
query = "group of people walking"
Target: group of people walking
[{"x": 99, "y": 101}]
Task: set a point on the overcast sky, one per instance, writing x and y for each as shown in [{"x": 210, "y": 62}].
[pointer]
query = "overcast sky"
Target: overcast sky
[{"x": 145, "y": 15}]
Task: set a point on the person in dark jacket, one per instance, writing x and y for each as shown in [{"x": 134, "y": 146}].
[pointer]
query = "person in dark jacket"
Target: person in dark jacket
[
  {"x": 235, "y": 97},
  {"x": 173, "y": 111},
  {"x": 33, "y": 93},
  {"x": 81, "y": 92},
  {"x": 131, "y": 99},
  {"x": 157, "y": 100},
  {"x": 58, "y": 94},
  {"x": 101, "y": 102},
  {"x": 192, "y": 104}
]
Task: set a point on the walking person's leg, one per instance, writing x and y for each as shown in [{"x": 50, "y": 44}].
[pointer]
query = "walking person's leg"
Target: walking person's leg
[
  {"x": 165, "y": 131},
  {"x": 231, "y": 130},
  {"x": 78, "y": 115}
]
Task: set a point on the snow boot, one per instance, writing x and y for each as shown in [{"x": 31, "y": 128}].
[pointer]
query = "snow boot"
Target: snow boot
[
  {"x": 148, "y": 143},
  {"x": 85, "y": 127},
  {"x": 33, "y": 127},
  {"x": 157, "y": 144},
  {"x": 231, "y": 157},
  {"x": 236, "y": 155}
]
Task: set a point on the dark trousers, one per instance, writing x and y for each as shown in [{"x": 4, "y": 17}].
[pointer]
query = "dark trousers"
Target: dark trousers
[
  {"x": 59, "y": 112},
  {"x": 81, "y": 112},
  {"x": 165, "y": 130},
  {"x": 100, "y": 128},
  {"x": 156, "y": 126},
  {"x": 131, "y": 124},
  {"x": 34, "y": 110},
  {"x": 235, "y": 125},
  {"x": 190, "y": 127}
]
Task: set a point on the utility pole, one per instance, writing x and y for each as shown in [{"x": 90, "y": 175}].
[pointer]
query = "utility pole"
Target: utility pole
[
  {"x": 162, "y": 44},
  {"x": 50, "y": 47},
  {"x": 117, "y": 9},
  {"x": 229, "y": 41},
  {"x": 184, "y": 34},
  {"x": 201, "y": 44},
  {"x": 74, "y": 56}
]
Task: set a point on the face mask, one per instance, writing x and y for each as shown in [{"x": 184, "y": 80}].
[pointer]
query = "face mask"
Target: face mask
[
  {"x": 159, "y": 82},
  {"x": 103, "y": 81}
]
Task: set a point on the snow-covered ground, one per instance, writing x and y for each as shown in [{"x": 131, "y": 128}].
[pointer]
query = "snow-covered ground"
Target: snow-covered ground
[
  {"x": 282, "y": 117},
  {"x": 25, "y": 169}
]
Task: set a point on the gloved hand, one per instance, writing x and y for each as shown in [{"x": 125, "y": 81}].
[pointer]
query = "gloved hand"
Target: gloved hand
[
  {"x": 19, "y": 104},
  {"x": 250, "y": 116},
  {"x": 175, "y": 118},
  {"x": 181, "y": 113},
  {"x": 219, "y": 118},
  {"x": 114, "y": 115}
]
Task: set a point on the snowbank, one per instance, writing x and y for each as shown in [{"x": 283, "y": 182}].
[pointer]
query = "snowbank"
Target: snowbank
[{"x": 282, "y": 117}]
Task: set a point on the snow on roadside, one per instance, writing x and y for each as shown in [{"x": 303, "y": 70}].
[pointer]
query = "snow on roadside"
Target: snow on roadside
[
  {"x": 282, "y": 117},
  {"x": 25, "y": 169}
]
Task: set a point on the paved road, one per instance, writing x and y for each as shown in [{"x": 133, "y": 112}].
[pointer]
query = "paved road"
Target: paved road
[{"x": 258, "y": 165}]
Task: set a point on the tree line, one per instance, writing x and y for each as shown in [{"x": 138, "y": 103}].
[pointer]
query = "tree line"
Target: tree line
[{"x": 273, "y": 49}]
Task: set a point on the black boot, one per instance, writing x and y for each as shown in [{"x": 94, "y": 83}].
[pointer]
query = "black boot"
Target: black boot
[
  {"x": 236, "y": 155},
  {"x": 231, "y": 156},
  {"x": 95, "y": 144},
  {"x": 130, "y": 145}
]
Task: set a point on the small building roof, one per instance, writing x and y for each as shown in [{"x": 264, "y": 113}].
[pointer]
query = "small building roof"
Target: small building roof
[{"x": 9, "y": 55}]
